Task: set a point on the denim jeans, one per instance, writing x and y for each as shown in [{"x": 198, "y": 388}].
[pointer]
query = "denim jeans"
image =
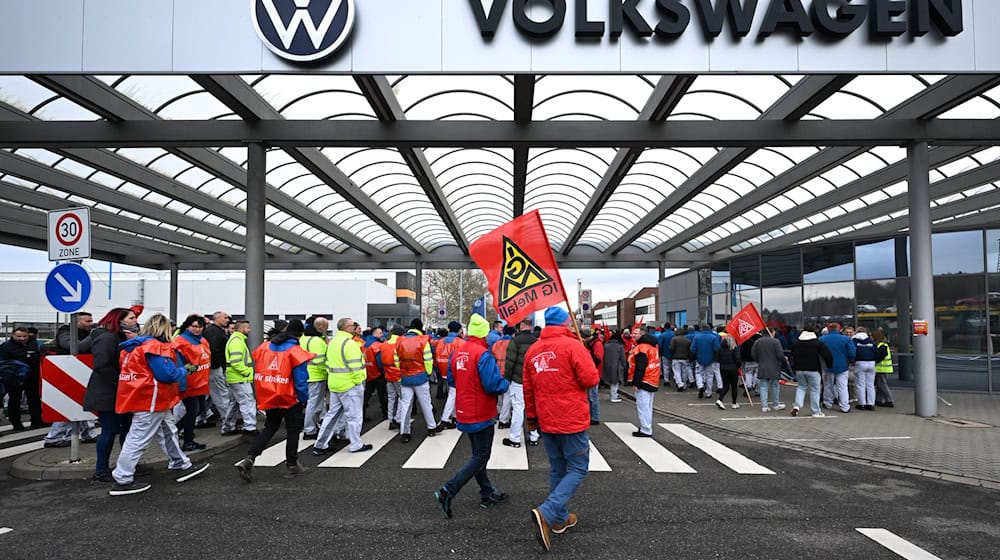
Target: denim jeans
[
  {"x": 111, "y": 425},
  {"x": 482, "y": 445},
  {"x": 808, "y": 381},
  {"x": 569, "y": 462},
  {"x": 769, "y": 388},
  {"x": 595, "y": 405}
]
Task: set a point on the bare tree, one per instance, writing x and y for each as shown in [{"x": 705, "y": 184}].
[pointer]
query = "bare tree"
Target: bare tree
[{"x": 454, "y": 290}]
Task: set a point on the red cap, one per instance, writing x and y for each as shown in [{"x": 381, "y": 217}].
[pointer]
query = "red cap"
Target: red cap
[{"x": 137, "y": 309}]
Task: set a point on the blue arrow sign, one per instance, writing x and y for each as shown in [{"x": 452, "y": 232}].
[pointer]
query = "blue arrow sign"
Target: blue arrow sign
[{"x": 68, "y": 287}]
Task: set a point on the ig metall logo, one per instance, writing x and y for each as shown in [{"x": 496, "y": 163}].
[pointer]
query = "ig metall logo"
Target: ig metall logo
[{"x": 303, "y": 30}]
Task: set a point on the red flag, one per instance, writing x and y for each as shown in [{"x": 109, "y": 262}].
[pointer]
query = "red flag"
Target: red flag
[
  {"x": 745, "y": 324},
  {"x": 521, "y": 271}
]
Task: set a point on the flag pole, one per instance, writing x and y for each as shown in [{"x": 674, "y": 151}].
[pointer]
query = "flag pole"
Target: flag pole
[{"x": 545, "y": 234}]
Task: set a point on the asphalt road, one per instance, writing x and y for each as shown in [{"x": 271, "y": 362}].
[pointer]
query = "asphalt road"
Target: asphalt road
[{"x": 810, "y": 508}]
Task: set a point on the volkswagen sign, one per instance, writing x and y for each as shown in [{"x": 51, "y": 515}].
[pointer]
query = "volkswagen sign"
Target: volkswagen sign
[{"x": 303, "y": 30}]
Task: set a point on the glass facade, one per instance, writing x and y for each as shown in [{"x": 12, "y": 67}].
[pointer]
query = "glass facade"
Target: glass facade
[{"x": 867, "y": 284}]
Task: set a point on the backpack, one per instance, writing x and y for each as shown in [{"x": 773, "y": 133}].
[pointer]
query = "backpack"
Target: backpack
[{"x": 13, "y": 373}]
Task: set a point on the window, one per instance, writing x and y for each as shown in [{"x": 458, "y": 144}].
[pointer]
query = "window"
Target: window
[
  {"x": 828, "y": 303},
  {"x": 833, "y": 263},
  {"x": 781, "y": 269},
  {"x": 958, "y": 252},
  {"x": 877, "y": 305},
  {"x": 877, "y": 260},
  {"x": 960, "y": 311},
  {"x": 746, "y": 273},
  {"x": 782, "y": 308}
]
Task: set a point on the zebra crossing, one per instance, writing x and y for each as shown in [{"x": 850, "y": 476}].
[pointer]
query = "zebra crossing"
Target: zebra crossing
[
  {"x": 433, "y": 453},
  {"x": 10, "y": 437}
]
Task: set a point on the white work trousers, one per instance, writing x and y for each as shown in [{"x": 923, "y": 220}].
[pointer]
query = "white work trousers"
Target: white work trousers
[
  {"x": 644, "y": 407},
  {"x": 219, "y": 391},
  {"x": 243, "y": 404},
  {"x": 145, "y": 427},
  {"x": 864, "y": 382},
  {"x": 682, "y": 372},
  {"x": 422, "y": 394},
  {"x": 347, "y": 405},
  {"x": 708, "y": 376},
  {"x": 835, "y": 386},
  {"x": 449, "y": 406},
  {"x": 392, "y": 390},
  {"x": 319, "y": 391}
]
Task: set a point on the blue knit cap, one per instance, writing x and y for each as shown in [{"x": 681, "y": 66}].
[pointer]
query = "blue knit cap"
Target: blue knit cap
[{"x": 556, "y": 316}]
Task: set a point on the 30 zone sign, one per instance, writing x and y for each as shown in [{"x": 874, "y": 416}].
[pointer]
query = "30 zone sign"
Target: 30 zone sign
[{"x": 69, "y": 234}]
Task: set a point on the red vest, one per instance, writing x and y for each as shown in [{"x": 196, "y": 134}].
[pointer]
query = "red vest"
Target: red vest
[
  {"x": 499, "y": 350},
  {"x": 392, "y": 374},
  {"x": 652, "y": 374},
  {"x": 272, "y": 377},
  {"x": 472, "y": 403},
  {"x": 442, "y": 350},
  {"x": 200, "y": 355},
  {"x": 410, "y": 350},
  {"x": 370, "y": 366},
  {"x": 138, "y": 389}
]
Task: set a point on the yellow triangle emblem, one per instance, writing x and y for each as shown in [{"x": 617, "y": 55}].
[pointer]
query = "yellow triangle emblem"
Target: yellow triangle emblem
[{"x": 520, "y": 273}]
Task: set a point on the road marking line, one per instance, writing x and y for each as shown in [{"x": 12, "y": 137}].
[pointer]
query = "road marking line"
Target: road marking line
[
  {"x": 897, "y": 545},
  {"x": 702, "y": 404},
  {"x": 944, "y": 401},
  {"x": 735, "y": 461},
  {"x": 18, "y": 436},
  {"x": 18, "y": 449},
  {"x": 505, "y": 458},
  {"x": 879, "y": 438},
  {"x": 652, "y": 453},
  {"x": 434, "y": 452},
  {"x": 5, "y": 530},
  {"x": 378, "y": 436},
  {"x": 275, "y": 454},
  {"x": 597, "y": 461},
  {"x": 758, "y": 418}
]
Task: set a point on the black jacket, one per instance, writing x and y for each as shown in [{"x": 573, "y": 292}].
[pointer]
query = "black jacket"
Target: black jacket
[
  {"x": 729, "y": 360},
  {"x": 217, "y": 339},
  {"x": 102, "y": 389},
  {"x": 747, "y": 346},
  {"x": 806, "y": 355},
  {"x": 26, "y": 353},
  {"x": 62, "y": 341},
  {"x": 518, "y": 347}
]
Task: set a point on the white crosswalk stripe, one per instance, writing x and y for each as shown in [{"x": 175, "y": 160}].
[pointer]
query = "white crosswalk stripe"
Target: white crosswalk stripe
[
  {"x": 18, "y": 436},
  {"x": 735, "y": 461},
  {"x": 433, "y": 453},
  {"x": 377, "y": 437},
  {"x": 18, "y": 449},
  {"x": 651, "y": 452},
  {"x": 901, "y": 547}
]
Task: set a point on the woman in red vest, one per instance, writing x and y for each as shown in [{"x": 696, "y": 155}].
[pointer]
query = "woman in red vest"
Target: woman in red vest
[
  {"x": 149, "y": 386},
  {"x": 644, "y": 375},
  {"x": 191, "y": 348}
]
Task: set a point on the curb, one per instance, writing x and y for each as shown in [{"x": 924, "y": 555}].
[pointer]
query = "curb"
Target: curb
[
  {"x": 23, "y": 467},
  {"x": 877, "y": 463}
]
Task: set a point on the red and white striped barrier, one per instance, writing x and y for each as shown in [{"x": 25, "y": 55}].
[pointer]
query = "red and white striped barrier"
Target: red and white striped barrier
[{"x": 64, "y": 381}]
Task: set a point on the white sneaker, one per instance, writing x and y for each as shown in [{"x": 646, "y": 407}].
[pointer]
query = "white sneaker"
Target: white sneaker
[
  {"x": 765, "y": 409},
  {"x": 779, "y": 406},
  {"x": 736, "y": 405},
  {"x": 616, "y": 400},
  {"x": 719, "y": 404},
  {"x": 819, "y": 415}
]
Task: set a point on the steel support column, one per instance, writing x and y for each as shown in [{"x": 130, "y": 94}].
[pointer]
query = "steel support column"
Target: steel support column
[
  {"x": 922, "y": 279},
  {"x": 174, "y": 284},
  {"x": 419, "y": 272},
  {"x": 256, "y": 220}
]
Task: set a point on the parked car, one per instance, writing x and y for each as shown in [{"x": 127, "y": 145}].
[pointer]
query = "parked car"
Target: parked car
[{"x": 867, "y": 308}]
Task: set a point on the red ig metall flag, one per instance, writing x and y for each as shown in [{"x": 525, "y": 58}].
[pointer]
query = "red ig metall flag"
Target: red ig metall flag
[
  {"x": 520, "y": 269},
  {"x": 745, "y": 324}
]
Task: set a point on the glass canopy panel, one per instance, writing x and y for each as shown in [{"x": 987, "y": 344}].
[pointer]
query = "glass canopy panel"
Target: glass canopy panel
[
  {"x": 590, "y": 97},
  {"x": 985, "y": 106},
  {"x": 312, "y": 97},
  {"x": 478, "y": 184},
  {"x": 559, "y": 184},
  {"x": 172, "y": 97},
  {"x": 870, "y": 96},
  {"x": 383, "y": 175},
  {"x": 29, "y": 97},
  {"x": 455, "y": 97},
  {"x": 730, "y": 97}
]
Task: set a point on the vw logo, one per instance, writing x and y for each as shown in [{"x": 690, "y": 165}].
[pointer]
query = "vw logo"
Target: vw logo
[{"x": 302, "y": 30}]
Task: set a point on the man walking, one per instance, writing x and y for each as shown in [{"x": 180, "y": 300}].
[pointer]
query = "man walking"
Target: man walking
[
  {"x": 314, "y": 342},
  {"x": 680, "y": 359},
  {"x": 442, "y": 352},
  {"x": 514, "y": 372},
  {"x": 644, "y": 375},
  {"x": 217, "y": 333},
  {"x": 707, "y": 374},
  {"x": 557, "y": 375},
  {"x": 476, "y": 381},
  {"x": 19, "y": 348},
  {"x": 239, "y": 377},
  {"x": 835, "y": 373},
  {"x": 346, "y": 369},
  {"x": 281, "y": 379},
  {"x": 415, "y": 361}
]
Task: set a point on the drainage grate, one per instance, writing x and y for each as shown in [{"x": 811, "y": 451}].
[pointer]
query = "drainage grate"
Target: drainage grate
[{"x": 960, "y": 423}]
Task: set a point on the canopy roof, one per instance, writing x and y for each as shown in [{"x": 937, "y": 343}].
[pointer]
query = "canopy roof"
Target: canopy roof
[{"x": 390, "y": 171}]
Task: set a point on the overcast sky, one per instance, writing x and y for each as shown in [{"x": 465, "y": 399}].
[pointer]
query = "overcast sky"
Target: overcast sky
[{"x": 605, "y": 284}]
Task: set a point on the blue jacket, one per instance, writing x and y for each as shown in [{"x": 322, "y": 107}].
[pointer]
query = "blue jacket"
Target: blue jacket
[
  {"x": 704, "y": 346},
  {"x": 369, "y": 340},
  {"x": 842, "y": 350},
  {"x": 492, "y": 381},
  {"x": 664, "y": 343},
  {"x": 165, "y": 370},
  {"x": 492, "y": 337},
  {"x": 300, "y": 375},
  {"x": 865, "y": 350}
]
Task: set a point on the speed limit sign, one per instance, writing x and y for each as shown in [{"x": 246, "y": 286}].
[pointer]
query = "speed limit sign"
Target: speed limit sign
[{"x": 69, "y": 234}]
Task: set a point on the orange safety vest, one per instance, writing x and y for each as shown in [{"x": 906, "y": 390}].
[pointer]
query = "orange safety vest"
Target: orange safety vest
[
  {"x": 392, "y": 373},
  {"x": 200, "y": 355},
  {"x": 410, "y": 350},
  {"x": 652, "y": 374},
  {"x": 499, "y": 350},
  {"x": 138, "y": 389},
  {"x": 272, "y": 377},
  {"x": 370, "y": 366},
  {"x": 442, "y": 350}
]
